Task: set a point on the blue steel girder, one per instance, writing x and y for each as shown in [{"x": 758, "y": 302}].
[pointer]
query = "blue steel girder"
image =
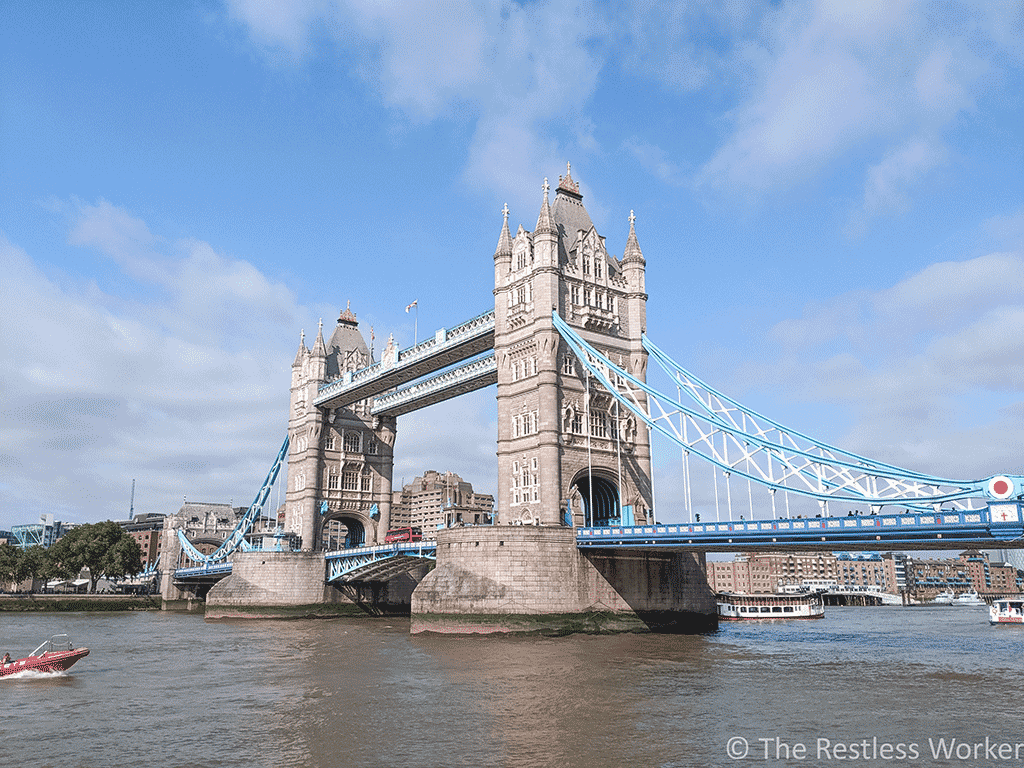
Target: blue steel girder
[
  {"x": 999, "y": 526},
  {"x": 244, "y": 526},
  {"x": 203, "y": 573},
  {"x": 446, "y": 348},
  {"x": 482, "y": 372},
  {"x": 741, "y": 442},
  {"x": 378, "y": 563}
]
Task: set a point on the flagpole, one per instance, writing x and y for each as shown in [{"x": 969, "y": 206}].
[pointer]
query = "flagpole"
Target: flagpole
[{"x": 416, "y": 321}]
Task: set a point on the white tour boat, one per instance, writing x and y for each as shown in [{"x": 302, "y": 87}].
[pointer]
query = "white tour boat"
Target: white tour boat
[
  {"x": 735, "y": 606},
  {"x": 968, "y": 598},
  {"x": 1006, "y": 611}
]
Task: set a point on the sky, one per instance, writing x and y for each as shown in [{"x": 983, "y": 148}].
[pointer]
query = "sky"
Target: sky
[{"x": 828, "y": 196}]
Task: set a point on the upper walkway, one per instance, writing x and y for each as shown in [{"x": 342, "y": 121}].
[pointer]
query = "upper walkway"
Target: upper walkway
[{"x": 447, "y": 348}]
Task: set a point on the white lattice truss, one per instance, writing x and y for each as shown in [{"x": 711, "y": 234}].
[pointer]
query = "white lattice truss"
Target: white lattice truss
[{"x": 745, "y": 444}]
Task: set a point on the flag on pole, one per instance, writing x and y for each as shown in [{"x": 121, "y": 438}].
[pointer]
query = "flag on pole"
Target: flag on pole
[{"x": 410, "y": 306}]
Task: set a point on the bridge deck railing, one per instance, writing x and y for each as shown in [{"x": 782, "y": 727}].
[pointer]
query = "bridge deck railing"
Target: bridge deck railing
[{"x": 1000, "y": 523}]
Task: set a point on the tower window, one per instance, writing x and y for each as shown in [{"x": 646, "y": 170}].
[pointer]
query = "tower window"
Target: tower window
[{"x": 351, "y": 442}]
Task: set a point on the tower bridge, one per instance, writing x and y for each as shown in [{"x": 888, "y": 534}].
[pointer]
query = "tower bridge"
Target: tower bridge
[{"x": 577, "y": 543}]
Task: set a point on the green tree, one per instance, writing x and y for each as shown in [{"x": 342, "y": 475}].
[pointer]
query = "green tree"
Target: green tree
[
  {"x": 36, "y": 563},
  {"x": 18, "y": 564},
  {"x": 10, "y": 564},
  {"x": 104, "y": 548}
]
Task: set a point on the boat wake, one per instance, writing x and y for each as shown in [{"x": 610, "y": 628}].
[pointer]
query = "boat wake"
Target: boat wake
[{"x": 35, "y": 674}]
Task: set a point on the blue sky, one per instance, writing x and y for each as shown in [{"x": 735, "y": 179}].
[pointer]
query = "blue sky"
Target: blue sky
[{"x": 828, "y": 196}]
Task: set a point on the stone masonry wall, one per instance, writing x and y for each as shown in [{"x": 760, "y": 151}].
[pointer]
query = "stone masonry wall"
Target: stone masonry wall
[
  {"x": 268, "y": 579},
  {"x": 291, "y": 584},
  {"x": 525, "y": 578}
]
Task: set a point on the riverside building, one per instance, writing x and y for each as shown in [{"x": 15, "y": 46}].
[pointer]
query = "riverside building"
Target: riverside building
[
  {"x": 893, "y": 573},
  {"x": 440, "y": 500}
]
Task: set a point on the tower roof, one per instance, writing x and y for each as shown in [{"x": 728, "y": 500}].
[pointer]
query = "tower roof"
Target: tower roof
[
  {"x": 567, "y": 212},
  {"x": 346, "y": 349}
]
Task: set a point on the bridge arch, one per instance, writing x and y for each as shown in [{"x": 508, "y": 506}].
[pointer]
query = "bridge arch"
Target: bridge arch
[
  {"x": 341, "y": 530},
  {"x": 599, "y": 494}
]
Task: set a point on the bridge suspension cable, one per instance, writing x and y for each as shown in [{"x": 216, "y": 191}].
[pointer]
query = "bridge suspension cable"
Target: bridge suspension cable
[
  {"x": 237, "y": 539},
  {"x": 746, "y": 444}
]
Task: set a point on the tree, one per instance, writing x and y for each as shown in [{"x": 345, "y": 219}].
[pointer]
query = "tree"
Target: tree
[
  {"x": 17, "y": 565},
  {"x": 35, "y": 563},
  {"x": 104, "y": 548},
  {"x": 10, "y": 564}
]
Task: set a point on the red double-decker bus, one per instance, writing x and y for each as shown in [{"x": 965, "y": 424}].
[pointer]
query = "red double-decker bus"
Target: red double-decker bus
[{"x": 403, "y": 534}]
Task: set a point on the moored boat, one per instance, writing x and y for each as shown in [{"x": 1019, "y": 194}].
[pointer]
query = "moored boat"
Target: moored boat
[
  {"x": 1006, "y": 611},
  {"x": 734, "y": 606},
  {"x": 968, "y": 598},
  {"x": 944, "y": 598},
  {"x": 53, "y": 655}
]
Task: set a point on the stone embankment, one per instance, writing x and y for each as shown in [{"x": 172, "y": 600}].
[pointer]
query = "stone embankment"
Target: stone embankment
[{"x": 37, "y": 603}]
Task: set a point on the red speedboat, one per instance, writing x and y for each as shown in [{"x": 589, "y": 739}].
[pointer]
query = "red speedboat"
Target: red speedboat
[{"x": 54, "y": 655}]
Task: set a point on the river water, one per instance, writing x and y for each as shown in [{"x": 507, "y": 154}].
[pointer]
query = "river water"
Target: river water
[{"x": 162, "y": 689}]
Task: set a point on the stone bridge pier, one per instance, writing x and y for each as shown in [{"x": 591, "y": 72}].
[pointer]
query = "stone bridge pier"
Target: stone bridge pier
[{"x": 534, "y": 579}]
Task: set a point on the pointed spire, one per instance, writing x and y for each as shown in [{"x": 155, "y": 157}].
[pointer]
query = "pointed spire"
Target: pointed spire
[
  {"x": 632, "y": 252},
  {"x": 567, "y": 184},
  {"x": 319, "y": 348},
  {"x": 544, "y": 223},
  {"x": 505, "y": 238},
  {"x": 302, "y": 349}
]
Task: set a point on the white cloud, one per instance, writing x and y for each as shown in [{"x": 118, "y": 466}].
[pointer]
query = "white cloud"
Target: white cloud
[
  {"x": 932, "y": 368},
  {"x": 828, "y": 82},
  {"x": 654, "y": 159},
  {"x": 279, "y": 25},
  {"x": 185, "y": 391},
  {"x": 889, "y": 182},
  {"x": 522, "y": 72},
  {"x": 811, "y": 83},
  {"x": 1007, "y": 231}
]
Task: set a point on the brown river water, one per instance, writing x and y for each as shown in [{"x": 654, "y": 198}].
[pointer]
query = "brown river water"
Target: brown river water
[{"x": 927, "y": 686}]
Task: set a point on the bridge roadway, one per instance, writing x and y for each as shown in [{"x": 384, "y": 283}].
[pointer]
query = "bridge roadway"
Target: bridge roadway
[{"x": 997, "y": 526}]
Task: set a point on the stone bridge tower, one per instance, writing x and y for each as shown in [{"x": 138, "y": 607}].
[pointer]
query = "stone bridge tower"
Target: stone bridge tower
[
  {"x": 564, "y": 445},
  {"x": 340, "y": 460}
]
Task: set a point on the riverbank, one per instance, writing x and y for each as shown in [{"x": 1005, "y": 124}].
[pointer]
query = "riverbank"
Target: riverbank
[{"x": 33, "y": 603}]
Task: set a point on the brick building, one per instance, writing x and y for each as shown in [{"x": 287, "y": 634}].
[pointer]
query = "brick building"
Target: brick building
[
  {"x": 147, "y": 530},
  {"x": 894, "y": 573}
]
